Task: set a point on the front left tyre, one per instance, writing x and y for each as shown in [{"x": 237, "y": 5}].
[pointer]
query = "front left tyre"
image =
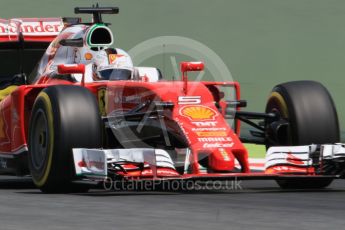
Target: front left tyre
[{"x": 63, "y": 117}]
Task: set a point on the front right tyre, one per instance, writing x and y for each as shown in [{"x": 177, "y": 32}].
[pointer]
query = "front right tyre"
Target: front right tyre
[
  {"x": 312, "y": 118},
  {"x": 63, "y": 117}
]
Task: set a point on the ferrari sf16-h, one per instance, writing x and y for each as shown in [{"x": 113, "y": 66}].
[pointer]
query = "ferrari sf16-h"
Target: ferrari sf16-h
[{"x": 74, "y": 109}]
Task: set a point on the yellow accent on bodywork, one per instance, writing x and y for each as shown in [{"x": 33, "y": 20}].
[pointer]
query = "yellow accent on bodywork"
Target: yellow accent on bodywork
[
  {"x": 103, "y": 101},
  {"x": 4, "y": 93},
  {"x": 8, "y": 90}
]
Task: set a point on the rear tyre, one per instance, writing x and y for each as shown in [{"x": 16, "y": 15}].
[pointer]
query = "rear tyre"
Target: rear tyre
[
  {"x": 63, "y": 117},
  {"x": 312, "y": 117}
]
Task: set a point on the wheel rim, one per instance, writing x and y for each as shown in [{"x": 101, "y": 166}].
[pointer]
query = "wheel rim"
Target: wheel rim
[
  {"x": 39, "y": 140},
  {"x": 278, "y": 106}
]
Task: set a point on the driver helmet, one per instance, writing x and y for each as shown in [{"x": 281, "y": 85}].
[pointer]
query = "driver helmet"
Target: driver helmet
[{"x": 112, "y": 64}]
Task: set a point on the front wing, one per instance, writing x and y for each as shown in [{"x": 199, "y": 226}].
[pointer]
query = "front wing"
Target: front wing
[{"x": 156, "y": 164}]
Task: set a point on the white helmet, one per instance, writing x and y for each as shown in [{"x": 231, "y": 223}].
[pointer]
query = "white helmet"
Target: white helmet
[{"x": 112, "y": 64}]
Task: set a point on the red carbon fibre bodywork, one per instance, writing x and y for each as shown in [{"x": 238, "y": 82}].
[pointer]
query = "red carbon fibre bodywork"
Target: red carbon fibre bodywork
[
  {"x": 198, "y": 113},
  {"x": 221, "y": 144},
  {"x": 194, "y": 112},
  {"x": 15, "y": 108}
]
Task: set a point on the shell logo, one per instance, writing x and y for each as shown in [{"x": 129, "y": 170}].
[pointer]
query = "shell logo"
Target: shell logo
[
  {"x": 198, "y": 113},
  {"x": 88, "y": 56}
]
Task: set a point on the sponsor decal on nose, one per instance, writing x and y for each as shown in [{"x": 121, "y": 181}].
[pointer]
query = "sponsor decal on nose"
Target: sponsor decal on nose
[{"x": 198, "y": 113}]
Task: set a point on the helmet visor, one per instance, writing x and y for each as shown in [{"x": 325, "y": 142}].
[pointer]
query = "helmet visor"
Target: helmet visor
[{"x": 115, "y": 74}]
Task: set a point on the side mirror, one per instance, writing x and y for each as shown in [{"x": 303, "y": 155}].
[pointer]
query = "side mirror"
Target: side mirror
[
  {"x": 191, "y": 66},
  {"x": 71, "y": 68},
  {"x": 187, "y": 67}
]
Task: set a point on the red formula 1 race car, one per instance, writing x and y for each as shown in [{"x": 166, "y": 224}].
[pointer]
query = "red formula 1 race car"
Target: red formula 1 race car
[{"x": 84, "y": 112}]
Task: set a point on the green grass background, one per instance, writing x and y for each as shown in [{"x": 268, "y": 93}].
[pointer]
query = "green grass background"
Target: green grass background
[
  {"x": 263, "y": 42},
  {"x": 256, "y": 151}
]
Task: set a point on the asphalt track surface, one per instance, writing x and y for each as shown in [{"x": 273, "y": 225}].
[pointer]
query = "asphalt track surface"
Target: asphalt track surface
[{"x": 261, "y": 205}]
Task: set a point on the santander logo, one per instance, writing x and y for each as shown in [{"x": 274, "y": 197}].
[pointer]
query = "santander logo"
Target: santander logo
[{"x": 31, "y": 27}]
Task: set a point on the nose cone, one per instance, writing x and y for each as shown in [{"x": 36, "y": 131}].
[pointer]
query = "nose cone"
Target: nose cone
[{"x": 221, "y": 159}]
